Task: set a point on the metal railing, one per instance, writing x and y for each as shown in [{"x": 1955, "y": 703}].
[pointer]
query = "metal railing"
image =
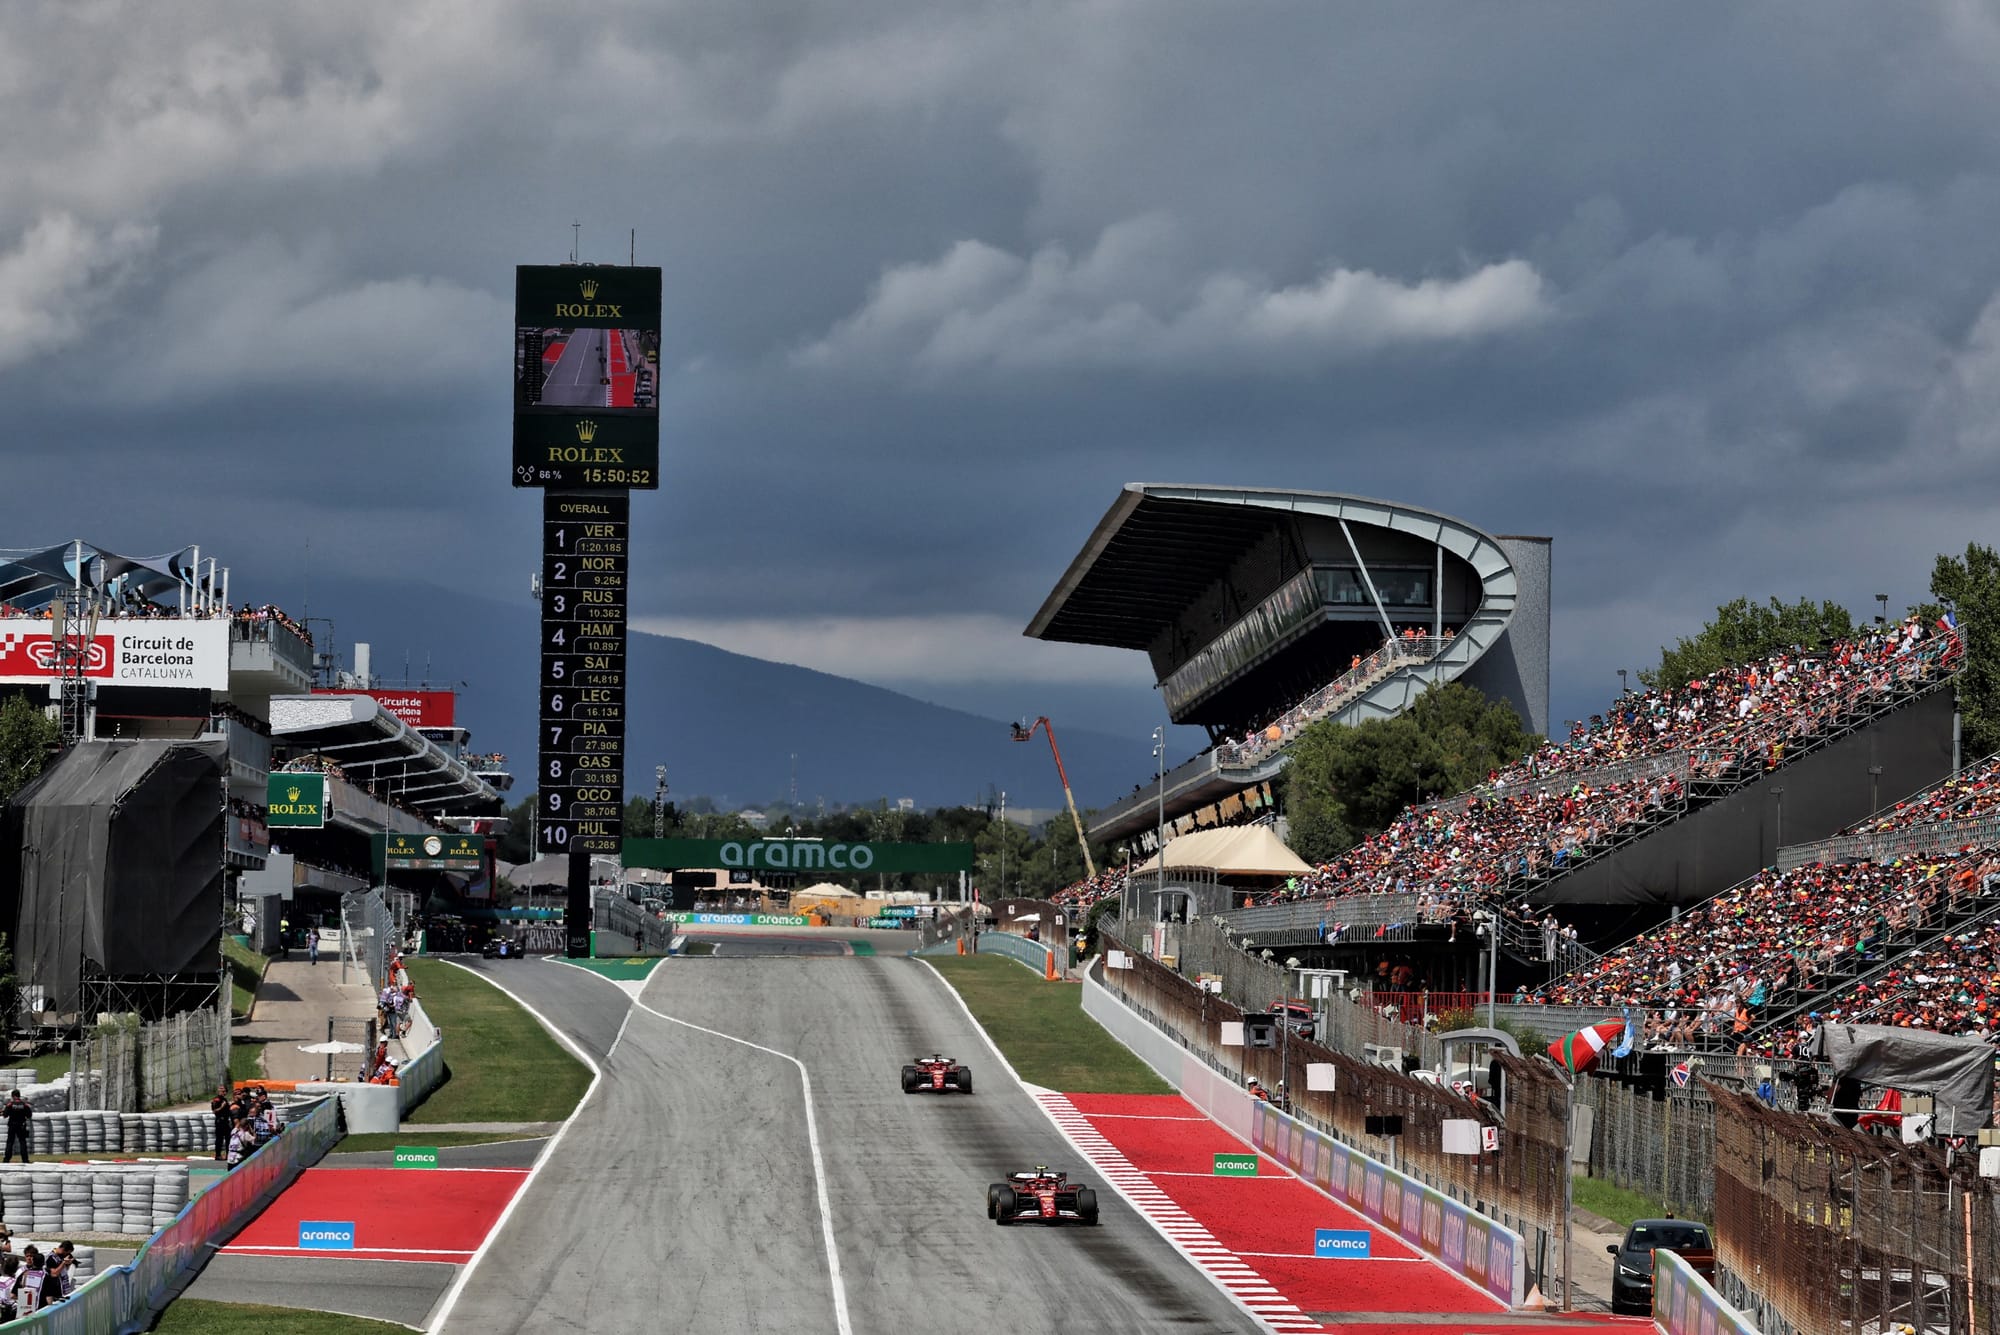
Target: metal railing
[
  {"x": 1934, "y": 838},
  {"x": 1392, "y": 657},
  {"x": 131, "y": 1296}
]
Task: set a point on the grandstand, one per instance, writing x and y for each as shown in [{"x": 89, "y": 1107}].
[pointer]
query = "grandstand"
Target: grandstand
[
  {"x": 1263, "y": 610},
  {"x": 146, "y": 655}
]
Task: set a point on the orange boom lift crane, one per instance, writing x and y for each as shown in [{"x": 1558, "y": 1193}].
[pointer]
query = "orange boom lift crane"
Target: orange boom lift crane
[{"x": 1027, "y": 733}]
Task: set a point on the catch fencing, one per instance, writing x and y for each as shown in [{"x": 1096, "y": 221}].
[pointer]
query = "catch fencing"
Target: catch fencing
[
  {"x": 1523, "y": 1186},
  {"x": 130, "y": 1297},
  {"x": 1843, "y": 1233},
  {"x": 368, "y": 935},
  {"x": 181, "y": 1059},
  {"x": 627, "y": 929}
]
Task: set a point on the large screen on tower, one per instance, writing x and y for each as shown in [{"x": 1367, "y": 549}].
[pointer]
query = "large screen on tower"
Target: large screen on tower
[{"x": 587, "y": 376}]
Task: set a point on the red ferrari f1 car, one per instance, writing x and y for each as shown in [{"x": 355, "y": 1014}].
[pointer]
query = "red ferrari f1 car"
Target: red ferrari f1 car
[
  {"x": 936, "y": 1073},
  {"x": 1040, "y": 1196}
]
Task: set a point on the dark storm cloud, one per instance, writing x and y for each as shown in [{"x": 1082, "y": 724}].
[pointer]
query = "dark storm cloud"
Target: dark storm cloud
[{"x": 1706, "y": 293}]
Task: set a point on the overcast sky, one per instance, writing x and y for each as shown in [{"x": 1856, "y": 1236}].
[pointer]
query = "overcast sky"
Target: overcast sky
[{"x": 1706, "y": 292}]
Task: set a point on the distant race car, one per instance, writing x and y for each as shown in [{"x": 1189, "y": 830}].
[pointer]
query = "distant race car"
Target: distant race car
[
  {"x": 936, "y": 1073},
  {"x": 1040, "y": 1196},
  {"x": 499, "y": 948}
]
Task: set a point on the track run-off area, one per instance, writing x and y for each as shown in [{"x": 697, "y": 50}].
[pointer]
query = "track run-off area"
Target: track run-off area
[{"x": 745, "y": 1160}]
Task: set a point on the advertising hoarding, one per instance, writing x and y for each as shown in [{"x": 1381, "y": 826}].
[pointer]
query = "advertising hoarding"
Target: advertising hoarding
[
  {"x": 791, "y": 855},
  {"x": 295, "y": 801},
  {"x": 144, "y": 651},
  {"x": 433, "y": 852},
  {"x": 419, "y": 709}
]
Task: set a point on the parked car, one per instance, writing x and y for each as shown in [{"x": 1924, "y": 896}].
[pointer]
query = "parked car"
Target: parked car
[
  {"x": 1296, "y": 1016},
  {"x": 1632, "y": 1271}
]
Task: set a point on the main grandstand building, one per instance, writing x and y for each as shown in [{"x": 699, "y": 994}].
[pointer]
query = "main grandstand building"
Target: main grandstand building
[{"x": 1263, "y": 609}]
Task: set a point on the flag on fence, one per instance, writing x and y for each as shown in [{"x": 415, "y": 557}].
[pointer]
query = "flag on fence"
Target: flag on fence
[
  {"x": 1948, "y": 622},
  {"x": 1579, "y": 1052},
  {"x": 1628, "y": 1038},
  {"x": 1682, "y": 1074}
]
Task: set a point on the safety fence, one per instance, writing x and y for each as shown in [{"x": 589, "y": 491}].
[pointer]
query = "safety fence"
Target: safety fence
[
  {"x": 1523, "y": 1185},
  {"x": 1034, "y": 954},
  {"x": 368, "y": 936},
  {"x": 1829, "y": 1231},
  {"x": 132, "y": 1067},
  {"x": 1484, "y": 1251},
  {"x": 620, "y": 927},
  {"x": 1937, "y": 839},
  {"x": 128, "y": 1298}
]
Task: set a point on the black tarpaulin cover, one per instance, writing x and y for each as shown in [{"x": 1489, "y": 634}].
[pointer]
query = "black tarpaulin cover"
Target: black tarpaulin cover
[
  {"x": 1957, "y": 1072},
  {"x": 120, "y": 868}
]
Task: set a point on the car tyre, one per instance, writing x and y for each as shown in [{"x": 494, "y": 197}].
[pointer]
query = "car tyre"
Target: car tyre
[
  {"x": 1086, "y": 1205},
  {"x": 1004, "y": 1205},
  {"x": 909, "y": 1079},
  {"x": 963, "y": 1079},
  {"x": 993, "y": 1200}
]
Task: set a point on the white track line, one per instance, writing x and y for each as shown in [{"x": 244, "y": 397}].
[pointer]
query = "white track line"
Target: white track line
[
  {"x": 840, "y": 1316},
  {"x": 1223, "y": 1266},
  {"x": 442, "y": 1313},
  {"x": 1242, "y": 1286}
]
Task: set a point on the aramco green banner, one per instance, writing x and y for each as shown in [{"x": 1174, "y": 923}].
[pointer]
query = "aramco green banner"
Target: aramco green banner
[
  {"x": 295, "y": 802},
  {"x": 816, "y": 855}
]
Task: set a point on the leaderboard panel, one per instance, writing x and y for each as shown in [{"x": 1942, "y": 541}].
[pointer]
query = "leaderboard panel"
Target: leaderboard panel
[{"x": 581, "y": 779}]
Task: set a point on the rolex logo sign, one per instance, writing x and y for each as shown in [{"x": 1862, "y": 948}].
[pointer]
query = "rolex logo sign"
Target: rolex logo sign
[
  {"x": 589, "y": 289},
  {"x": 295, "y": 802},
  {"x": 586, "y": 431}
]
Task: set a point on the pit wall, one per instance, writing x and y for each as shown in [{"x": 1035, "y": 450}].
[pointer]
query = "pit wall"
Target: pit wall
[
  {"x": 1487, "y": 1253},
  {"x": 1685, "y": 1304}
]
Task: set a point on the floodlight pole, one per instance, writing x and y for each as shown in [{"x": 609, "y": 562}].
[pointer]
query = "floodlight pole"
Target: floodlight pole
[
  {"x": 1160, "y": 854},
  {"x": 1022, "y": 734}
]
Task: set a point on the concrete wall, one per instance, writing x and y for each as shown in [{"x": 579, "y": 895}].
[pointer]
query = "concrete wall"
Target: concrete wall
[{"x": 1728, "y": 840}]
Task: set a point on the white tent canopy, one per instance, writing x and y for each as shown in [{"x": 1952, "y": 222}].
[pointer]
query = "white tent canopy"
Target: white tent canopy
[
  {"x": 825, "y": 890},
  {"x": 1235, "y": 850}
]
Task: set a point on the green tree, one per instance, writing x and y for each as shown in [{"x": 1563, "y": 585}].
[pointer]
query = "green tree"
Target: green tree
[
  {"x": 1346, "y": 783},
  {"x": 27, "y": 739},
  {"x": 1744, "y": 631},
  {"x": 1969, "y": 585}
]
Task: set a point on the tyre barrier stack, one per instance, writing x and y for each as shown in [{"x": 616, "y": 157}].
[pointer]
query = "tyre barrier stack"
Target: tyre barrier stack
[
  {"x": 133, "y": 1200},
  {"x": 123, "y": 1133}
]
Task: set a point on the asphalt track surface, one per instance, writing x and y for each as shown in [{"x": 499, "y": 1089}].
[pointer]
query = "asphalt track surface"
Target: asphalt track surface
[
  {"x": 683, "y": 1195},
  {"x": 573, "y": 382}
]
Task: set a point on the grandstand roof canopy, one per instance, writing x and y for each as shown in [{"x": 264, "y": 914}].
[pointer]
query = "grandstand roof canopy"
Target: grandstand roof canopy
[
  {"x": 1161, "y": 545},
  {"x": 377, "y": 749},
  {"x": 1146, "y": 560},
  {"x": 32, "y": 578}
]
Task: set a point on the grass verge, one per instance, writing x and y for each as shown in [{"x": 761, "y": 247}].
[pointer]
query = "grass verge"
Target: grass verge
[
  {"x": 246, "y": 970},
  {"x": 246, "y": 1058},
  {"x": 501, "y": 1065},
  {"x": 369, "y": 1142},
  {"x": 1042, "y": 1029},
  {"x": 1613, "y": 1202},
  {"x": 189, "y": 1316},
  {"x": 48, "y": 1065}
]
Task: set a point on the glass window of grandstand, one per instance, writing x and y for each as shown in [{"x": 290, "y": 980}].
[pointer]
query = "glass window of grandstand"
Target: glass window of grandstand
[{"x": 1342, "y": 587}]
